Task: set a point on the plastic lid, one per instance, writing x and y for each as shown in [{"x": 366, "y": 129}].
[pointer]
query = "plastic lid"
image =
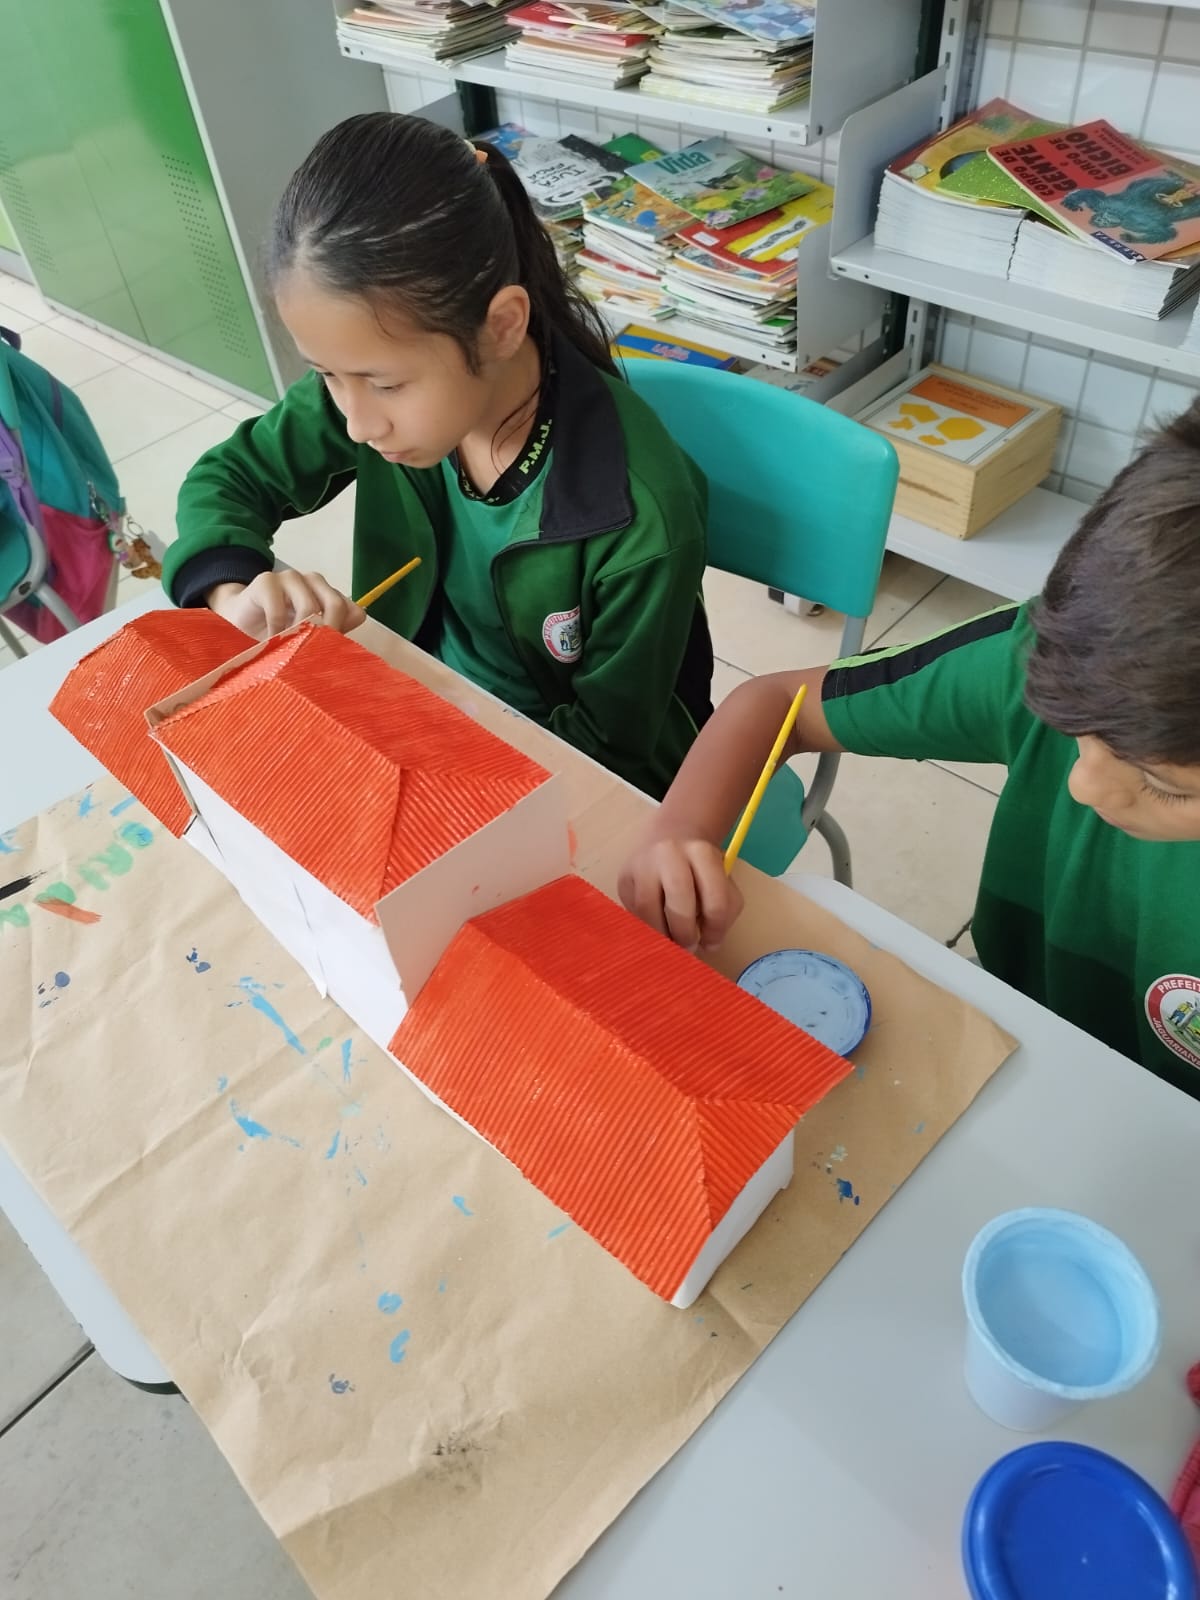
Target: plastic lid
[
  {"x": 816, "y": 992},
  {"x": 1056, "y": 1521}
]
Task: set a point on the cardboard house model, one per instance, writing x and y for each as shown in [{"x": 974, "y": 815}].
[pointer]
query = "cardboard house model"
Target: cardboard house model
[
  {"x": 648, "y": 1097},
  {"x": 416, "y": 865}
]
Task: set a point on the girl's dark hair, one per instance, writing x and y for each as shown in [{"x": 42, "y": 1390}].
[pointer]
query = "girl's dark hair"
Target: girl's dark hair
[
  {"x": 399, "y": 212},
  {"x": 1117, "y": 645}
]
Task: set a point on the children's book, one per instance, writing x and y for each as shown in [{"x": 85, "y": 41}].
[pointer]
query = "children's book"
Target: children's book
[
  {"x": 555, "y": 176},
  {"x": 633, "y": 149},
  {"x": 719, "y": 184},
  {"x": 930, "y": 164},
  {"x": 776, "y": 20},
  {"x": 636, "y": 343},
  {"x": 1104, "y": 187},
  {"x": 990, "y": 184},
  {"x": 636, "y": 210},
  {"x": 769, "y": 244}
]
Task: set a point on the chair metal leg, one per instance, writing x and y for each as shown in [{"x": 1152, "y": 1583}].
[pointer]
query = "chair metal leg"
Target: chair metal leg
[
  {"x": 839, "y": 847},
  {"x": 12, "y": 641}
]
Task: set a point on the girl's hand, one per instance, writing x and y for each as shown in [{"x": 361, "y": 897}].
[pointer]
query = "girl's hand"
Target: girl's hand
[
  {"x": 276, "y": 600},
  {"x": 680, "y": 888}
]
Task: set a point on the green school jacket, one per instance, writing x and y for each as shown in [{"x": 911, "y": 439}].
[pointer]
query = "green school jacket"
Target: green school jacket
[{"x": 599, "y": 588}]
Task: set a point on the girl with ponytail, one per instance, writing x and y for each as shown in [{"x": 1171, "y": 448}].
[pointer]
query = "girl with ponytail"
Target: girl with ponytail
[{"x": 466, "y": 388}]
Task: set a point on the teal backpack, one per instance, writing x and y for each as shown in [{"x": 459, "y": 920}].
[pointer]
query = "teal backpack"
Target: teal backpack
[{"x": 61, "y": 510}]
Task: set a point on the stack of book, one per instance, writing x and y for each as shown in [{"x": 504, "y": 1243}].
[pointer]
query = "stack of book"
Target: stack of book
[
  {"x": 724, "y": 251},
  {"x": 428, "y": 30},
  {"x": 739, "y": 55},
  {"x": 581, "y": 39},
  {"x": 1082, "y": 211},
  {"x": 628, "y": 237}
]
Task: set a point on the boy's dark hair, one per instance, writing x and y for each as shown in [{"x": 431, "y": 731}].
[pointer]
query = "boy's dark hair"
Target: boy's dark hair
[
  {"x": 1117, "y": 651},
  {"x": 398, "y": 211}
]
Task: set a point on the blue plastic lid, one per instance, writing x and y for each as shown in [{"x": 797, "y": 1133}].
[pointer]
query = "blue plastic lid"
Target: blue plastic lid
[
  {"x": 817, "y": 992},
  {"x": 1056, "y": 1521}
]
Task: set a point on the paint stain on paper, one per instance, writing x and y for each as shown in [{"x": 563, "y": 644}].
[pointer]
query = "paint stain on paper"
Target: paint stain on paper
[
  {"x": 195, "y": 961},
  {"x": 255, "y": 993},
  {"x": 346, "y": 1060},
  {"x": 389, "y": 1303},
  {"x": 18, "y": 885},
  {"x": 86, "y": 803},
  {"x": 839, "y": 1154},
  {"x": 122, "y": 805},
  {"x": 48, "y": 993},
  {"x": 333, "y": 1145},
  {"x": 256, "y": 1130},
  {"x": 340, "y": 1385},
  {"x": 441, "y": 1286},
  {"x": 361, "y": 1176},
  {"x": 562, "y": 1228},
  {"x": 845, "y": 1191},
  {"x": 222, "y": 1084},
  {"x": 65, "y": 909},
  {"x": 463, "y": 1206},
  {"x": 398, "y": 1348},
  {"x": 920, "y": 1128}
]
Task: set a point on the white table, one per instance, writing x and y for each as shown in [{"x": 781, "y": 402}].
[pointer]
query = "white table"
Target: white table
[{"x": 839, "y": 1466}]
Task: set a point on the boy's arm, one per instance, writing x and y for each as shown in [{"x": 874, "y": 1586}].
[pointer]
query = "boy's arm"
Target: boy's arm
[
  {"x": 676, "y": 881},
  {"x": 284, "y": 464}
]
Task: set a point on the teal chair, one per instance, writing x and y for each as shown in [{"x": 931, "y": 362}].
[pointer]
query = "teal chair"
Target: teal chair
[{"x": 799, "y": 500}]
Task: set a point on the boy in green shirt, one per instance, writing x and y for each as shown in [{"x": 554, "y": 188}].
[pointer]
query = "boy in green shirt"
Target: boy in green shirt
[{"x": 1090, "y": 695}]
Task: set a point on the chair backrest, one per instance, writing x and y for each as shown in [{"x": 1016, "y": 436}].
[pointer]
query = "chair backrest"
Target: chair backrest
[{"x": 799, "y": 496}]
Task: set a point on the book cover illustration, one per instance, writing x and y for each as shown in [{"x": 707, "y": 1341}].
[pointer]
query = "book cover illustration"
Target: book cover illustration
[
  {"x": 555, "y": 177},
  {"x": 778, "y": 21},
  {"x": 769, "y": 244},
  {"x": 645, "y": 344},
  {"x": 1104, "y": 187},
  {"x": 931, "y": 163},
  {"x": 636, "y": 210},
  {"x": 719, "y": 184},
  {"x": 953, "y": 417}
]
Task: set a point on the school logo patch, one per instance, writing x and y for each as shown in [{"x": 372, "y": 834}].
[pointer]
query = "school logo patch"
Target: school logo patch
[
  {"x": 563, "y": 636},
  {"x": 1173, "y": 1011}
]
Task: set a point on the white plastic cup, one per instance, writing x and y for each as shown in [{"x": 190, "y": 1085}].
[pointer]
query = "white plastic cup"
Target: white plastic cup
[{"x": 1059, "y": 1312}]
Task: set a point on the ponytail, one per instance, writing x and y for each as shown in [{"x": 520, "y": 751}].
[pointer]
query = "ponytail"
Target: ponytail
[
  {"x": 556, "y": 304},
  {"x": 402, "y": 213}
]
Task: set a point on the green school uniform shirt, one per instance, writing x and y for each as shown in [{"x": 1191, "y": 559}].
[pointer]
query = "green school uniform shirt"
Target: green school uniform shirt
[
  {"x": 597, "y": 585},
  {"x": 1099, "y": 927}
]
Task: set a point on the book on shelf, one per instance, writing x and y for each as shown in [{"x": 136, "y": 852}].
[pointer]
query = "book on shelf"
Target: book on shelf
[
  {"x": 769, "y": 244},
  {"x": 794, "y": 382},
  {"x": 598, "y": 43},
  {"x": 968, "y": 448},
  {"x": 714, "y": 66},
  {"x": 556, "y": 175},
  {"x": 1044, "y": 258},
  {"x": 428, "y": 30},
  {"x": 636, "y": 343},
  {"x": 1106, "y": 188},
  {"x": 776, "y": 21},
  {"x": 717, "y": 183}
]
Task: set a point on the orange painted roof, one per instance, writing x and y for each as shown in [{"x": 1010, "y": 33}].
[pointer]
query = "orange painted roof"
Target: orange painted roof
[
  {"x": 360, "y": 774},
  {"x": 635, "y": 1087},
  {"x": 104, "y": 699}
]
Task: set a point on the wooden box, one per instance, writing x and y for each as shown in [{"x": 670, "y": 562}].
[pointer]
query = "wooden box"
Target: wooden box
[{"x": 968, "y": 448}]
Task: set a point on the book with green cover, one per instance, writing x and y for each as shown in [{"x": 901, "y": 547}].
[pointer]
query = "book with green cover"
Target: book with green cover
[
  {"x": 720, "y": 184},
  {"x": 985, "y": 181}
]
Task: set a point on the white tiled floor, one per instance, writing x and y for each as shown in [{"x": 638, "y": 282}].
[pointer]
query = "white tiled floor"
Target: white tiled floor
[{"x": 105, "y": 1492}]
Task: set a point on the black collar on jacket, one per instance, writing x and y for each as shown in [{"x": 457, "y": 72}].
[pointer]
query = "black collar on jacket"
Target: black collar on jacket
[{"x": 587, "y": 487}]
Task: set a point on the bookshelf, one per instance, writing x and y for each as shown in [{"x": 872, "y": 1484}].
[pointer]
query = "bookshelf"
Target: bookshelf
[{"x": 862, "y": 49}]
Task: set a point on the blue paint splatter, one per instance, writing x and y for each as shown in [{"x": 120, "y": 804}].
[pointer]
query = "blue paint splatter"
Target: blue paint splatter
[
  {"x": 350, "y": 1109},
  {"x": 845, "y": 1191},
  {"x": 389, "y": 1303},
  {"x": 255, "y": 993},
  {"x": 340, "y": 1385},
  {"x": 554, "y": 1232},
  {"x": 345, "y": 1060},
  {"x": 361, "y": 1176},
  {"x": 441, "y": 1286},
  {"x": 860, "y": 1072},
  {"x": 61, "y": 980},
  {"x": 85, "y": 805},
  {"x": 7, "y": 847},
  {"x": 463, "y": 1206},
  {"x": 200, "y": 966},
  {"x": 920, "y": 1128},
  {"x": 252, "y": 1129},
  {"x": 122, "y": 805},
  {"x": 398, "y": 1349},
  {"x": 332, "y": 1151},
  {"x": 222, "y": 1084}
]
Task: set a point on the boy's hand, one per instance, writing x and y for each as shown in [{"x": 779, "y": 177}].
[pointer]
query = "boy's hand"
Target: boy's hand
[
  {"x": 680, "y": 888},
  {"x": 275, "y": 600}
]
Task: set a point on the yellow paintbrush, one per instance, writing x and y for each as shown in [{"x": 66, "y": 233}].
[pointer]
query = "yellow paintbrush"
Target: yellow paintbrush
[
  {"x": 382, "y": 588},
  {"x": 760, "y": 788}
]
